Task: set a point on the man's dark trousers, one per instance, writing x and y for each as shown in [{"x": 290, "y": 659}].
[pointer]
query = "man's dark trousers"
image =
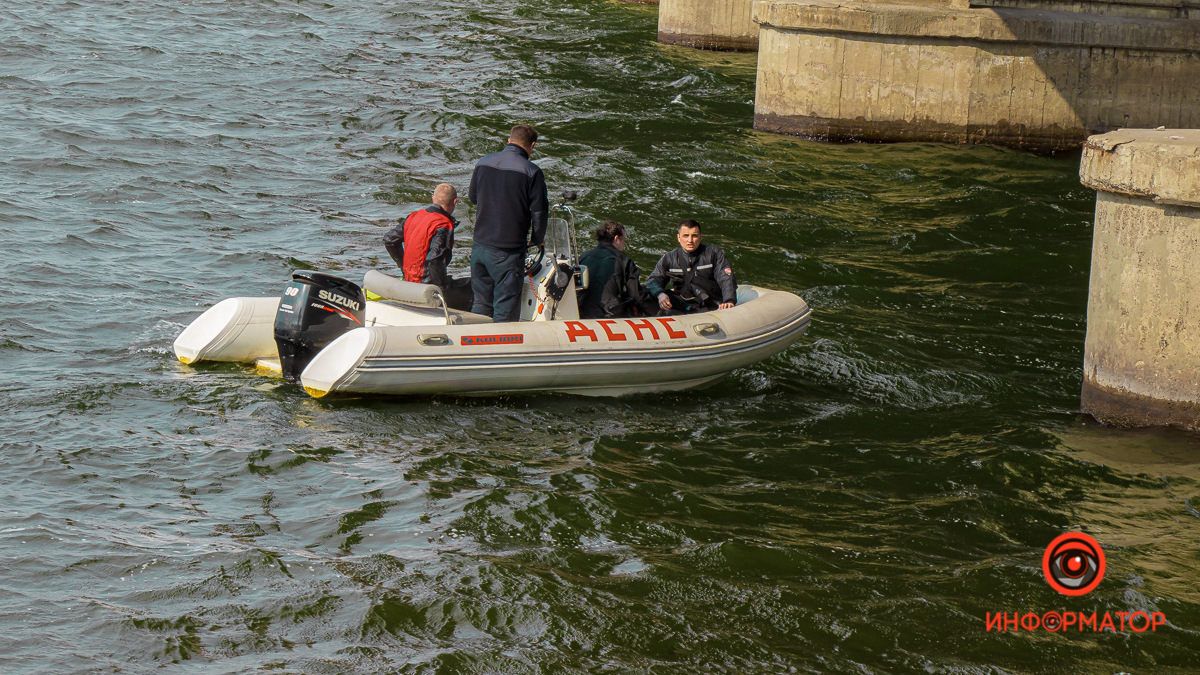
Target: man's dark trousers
[{"x": 496, "y": 276}]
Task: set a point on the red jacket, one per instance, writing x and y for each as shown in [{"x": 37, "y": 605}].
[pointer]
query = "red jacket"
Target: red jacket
[{"x": 423, "y": 244}]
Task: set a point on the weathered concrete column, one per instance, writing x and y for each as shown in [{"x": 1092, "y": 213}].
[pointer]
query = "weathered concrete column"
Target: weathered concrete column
[
  {"x": 708, "y": 24},
  {"x": 1141, "y": 362},
  {"x": 950, "y": 71}
]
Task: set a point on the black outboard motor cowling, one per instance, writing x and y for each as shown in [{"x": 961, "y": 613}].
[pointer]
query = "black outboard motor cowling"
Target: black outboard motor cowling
[{"x": 315, "y": 309}]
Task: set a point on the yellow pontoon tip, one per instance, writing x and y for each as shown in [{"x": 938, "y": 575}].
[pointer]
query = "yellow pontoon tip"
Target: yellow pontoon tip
[
  {"x": 315, "y": 393},
  {"x": 268, "y": 367}
]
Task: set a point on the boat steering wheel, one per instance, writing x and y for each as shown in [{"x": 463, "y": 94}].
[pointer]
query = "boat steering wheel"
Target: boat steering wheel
[{"x": 533, "y": 260}]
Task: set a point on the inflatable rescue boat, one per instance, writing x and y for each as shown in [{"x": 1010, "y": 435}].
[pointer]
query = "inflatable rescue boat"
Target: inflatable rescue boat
[{"x": 325, "y": 333}]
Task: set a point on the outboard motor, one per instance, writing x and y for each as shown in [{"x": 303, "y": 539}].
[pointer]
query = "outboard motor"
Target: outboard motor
[{"x": 315, "y": 310}]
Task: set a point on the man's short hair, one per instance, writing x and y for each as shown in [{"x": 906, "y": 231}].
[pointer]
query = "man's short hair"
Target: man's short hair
[
  {"x": 523, "y": 134},
  {"x": 689, "y": 224},
  {"x": 610, "y": 230},
  {"x": 444, "y": 194}
]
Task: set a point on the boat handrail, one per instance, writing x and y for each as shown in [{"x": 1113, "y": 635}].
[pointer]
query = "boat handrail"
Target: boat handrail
[{"x": 445, "y": 307}]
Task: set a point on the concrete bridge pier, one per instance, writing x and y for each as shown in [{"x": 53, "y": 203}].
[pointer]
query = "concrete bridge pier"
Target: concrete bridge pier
[
  {"x": 1035, "y": 74},
  {"x": 708, "y": 24},
  {"x": 1141, "y": 363}
]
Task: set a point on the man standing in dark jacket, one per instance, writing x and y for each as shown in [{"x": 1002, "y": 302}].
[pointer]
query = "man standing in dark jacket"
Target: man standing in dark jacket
[
  {"x": 423, "y": 243},
  {"x": 695, "y": 277},
  {"x": 510, "y": 194},
  {"x": 613, "y": 279}
]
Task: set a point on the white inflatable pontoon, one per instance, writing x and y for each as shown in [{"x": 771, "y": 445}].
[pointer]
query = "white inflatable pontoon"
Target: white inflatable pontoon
[{"x": 410, "y": 343}]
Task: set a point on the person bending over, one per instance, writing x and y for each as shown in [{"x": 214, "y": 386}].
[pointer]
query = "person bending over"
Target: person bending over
[
  {"x": 613, "y": 279},
  {"x": 695, "y": 277},
  {"x": 510, "y": 193},
  {"x": 423, "y": 243}
]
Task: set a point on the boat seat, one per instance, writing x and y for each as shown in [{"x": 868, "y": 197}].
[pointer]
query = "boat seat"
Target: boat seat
[
  {"x": 458, "y": 317},
  {"x": 420, "y": 298},
  {"x": 434, "y": 316}
]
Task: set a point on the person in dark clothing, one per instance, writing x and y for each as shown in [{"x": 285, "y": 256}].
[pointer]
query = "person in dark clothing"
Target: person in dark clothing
[
  {"x": 613, "y": 279},
  {"x": 695, "y": 277},
  {"x": 423, "y": 243},
  {"x": 510, "y": 194}
]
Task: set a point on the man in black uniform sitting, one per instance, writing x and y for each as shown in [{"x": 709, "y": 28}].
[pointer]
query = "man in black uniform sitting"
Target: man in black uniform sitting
[
  {"x": 695, "y": 277},
  {"x": 613, "y": 279}
]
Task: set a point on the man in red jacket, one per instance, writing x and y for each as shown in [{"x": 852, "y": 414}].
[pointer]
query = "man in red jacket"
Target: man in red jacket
[{"x": 423, "y": 243}]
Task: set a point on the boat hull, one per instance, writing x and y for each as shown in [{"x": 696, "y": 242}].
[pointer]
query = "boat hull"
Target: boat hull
[
  {"x": 412, "y": 351},
  {"x": 585, "y": 357}
]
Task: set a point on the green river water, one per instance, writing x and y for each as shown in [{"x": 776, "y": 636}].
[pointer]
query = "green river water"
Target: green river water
[{"x": 855, "y": 504}]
